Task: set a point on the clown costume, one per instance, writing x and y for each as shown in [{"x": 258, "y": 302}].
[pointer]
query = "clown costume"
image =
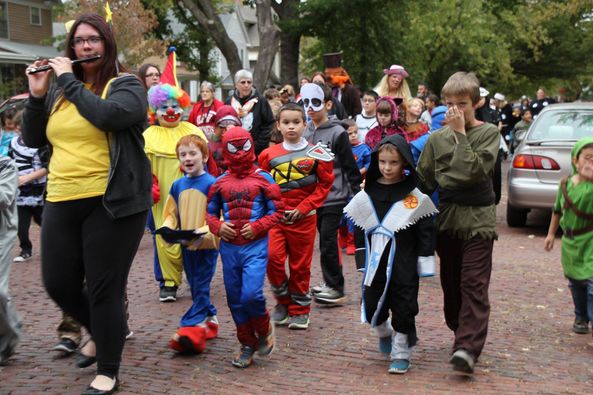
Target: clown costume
[{"x": 167, "y": 104}]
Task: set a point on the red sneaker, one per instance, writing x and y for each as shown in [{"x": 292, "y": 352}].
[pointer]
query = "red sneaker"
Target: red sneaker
[
  {"x": 174, "y": 345},
  {"x": 211, "y": 330},
  {"x": 192, "y": 339}
]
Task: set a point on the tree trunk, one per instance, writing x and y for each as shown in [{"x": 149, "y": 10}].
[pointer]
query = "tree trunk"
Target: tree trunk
[
  {"x": 269, "y": 38},
  {"x": 206, "y": 15},
  {"x": 290, "y": 41}
]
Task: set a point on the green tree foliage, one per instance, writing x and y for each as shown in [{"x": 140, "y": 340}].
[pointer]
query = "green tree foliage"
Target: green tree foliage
[
  {"x": 364, "y": 30},
  {"x": 512, "y": 45},
  {"x": 132, "y": 26},
  {"x": 177, "y": 28},
  {"x": 552, "y": 47}
]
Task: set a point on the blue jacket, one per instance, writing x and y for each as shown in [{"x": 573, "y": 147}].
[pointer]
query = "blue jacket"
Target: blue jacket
[{"x": 438, "y": 115}]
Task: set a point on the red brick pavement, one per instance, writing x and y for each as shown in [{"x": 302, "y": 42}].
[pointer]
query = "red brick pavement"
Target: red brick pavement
[{"x": 530, "y": 347}]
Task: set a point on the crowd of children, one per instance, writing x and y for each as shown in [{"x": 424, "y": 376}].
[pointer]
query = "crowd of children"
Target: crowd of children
[{"x": 257, "y": 213}]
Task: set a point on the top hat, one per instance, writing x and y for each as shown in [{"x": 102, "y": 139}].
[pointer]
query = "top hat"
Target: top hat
[{"x": 332, "y": 60}]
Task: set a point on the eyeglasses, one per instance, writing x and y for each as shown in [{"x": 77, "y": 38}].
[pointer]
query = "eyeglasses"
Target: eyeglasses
[
  {"x": 93, "y": 41},
  {"x": 245, "y": 82},
  {"x": 158, "y": 75}
]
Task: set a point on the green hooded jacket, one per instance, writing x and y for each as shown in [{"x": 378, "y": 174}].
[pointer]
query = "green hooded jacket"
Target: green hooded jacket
[{"x": 577, "y": 251}]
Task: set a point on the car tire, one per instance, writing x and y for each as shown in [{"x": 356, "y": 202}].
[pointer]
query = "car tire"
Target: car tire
[{"x": 516, "y": 217}]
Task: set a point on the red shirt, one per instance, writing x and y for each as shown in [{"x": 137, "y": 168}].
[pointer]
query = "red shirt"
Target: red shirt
[
  {"x": 304, "y": 181},
  {"x": 203, "y": 116}
]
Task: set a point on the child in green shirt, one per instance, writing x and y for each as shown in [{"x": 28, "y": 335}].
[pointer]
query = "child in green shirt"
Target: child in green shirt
[{"x": 573, "y": 211}]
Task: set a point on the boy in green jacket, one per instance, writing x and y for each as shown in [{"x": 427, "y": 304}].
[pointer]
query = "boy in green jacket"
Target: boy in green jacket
[
  {"x": 459, "y": 159},
  {"x": 573, "y": 211}
]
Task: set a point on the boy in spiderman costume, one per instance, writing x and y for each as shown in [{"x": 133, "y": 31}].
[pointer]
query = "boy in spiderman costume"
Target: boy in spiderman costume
[
  {"x": 305, "y": 175},
  {"x": 251, "y": 204}
]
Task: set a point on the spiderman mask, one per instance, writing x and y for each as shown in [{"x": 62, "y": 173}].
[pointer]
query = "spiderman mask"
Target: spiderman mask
[{"x": 238, "y": 152}]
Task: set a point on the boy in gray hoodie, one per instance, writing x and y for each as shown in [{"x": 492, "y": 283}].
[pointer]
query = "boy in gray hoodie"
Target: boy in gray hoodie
[{"x": 317, "y": 102}]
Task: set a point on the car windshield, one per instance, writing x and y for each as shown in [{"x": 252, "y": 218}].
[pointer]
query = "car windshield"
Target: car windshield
[{"x": 562, "y": 125}]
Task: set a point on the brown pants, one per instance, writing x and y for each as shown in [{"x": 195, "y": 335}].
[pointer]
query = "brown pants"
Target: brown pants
[{"x": 465, "y": 276}]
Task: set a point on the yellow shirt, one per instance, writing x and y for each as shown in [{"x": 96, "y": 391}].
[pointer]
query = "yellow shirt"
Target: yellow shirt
[{"x": 79, "y": 165}]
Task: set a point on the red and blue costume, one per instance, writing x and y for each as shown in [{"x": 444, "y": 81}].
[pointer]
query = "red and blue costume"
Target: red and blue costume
[{"x": 244, "y": 194}]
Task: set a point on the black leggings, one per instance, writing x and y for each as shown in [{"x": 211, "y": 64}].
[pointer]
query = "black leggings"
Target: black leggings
[
  {"x": 79, "y": 240},
  {"x": 25, "y": 215}
]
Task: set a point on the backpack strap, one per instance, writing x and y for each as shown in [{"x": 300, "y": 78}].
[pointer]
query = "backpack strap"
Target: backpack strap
[{"x": 568, "y": 203}]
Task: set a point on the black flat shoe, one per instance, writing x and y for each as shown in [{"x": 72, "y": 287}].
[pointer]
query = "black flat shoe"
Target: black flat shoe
[
  {"x": 90, "y": 390},
  {"x": 84, "y": 361}
]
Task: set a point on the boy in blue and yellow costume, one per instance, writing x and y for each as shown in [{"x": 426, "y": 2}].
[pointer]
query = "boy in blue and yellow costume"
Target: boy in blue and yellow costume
[
  {"x": 167, "y": 104},
  {"x": 185, "y": 209}
]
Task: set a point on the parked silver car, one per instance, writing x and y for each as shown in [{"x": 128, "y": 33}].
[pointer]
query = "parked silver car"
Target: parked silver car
[{"x": 543, "y": 158}]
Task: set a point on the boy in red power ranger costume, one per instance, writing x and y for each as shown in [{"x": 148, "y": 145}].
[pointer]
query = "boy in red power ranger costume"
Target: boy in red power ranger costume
[
  {"x": 251, "y": 205},
  {"x": 305, "y": 175}
]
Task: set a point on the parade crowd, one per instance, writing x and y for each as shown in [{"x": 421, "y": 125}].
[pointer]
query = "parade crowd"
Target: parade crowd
[{"x": 100, "y": 154}]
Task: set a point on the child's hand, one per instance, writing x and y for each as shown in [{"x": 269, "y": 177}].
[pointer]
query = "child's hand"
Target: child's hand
[
  {"x": 247, "y": 232},
  {"x": 549, "y": 242},
  {"x": 455, "y": 119},
  {"x": 292, "y": 216},
  {"x": 23, "y": 180},
  {"x": 196, "y": 243},
  {"x": 226, "y": 232}
]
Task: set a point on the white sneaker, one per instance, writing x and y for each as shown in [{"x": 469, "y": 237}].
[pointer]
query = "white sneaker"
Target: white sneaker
[
  {"x": 22, "y": 257},
  {"x": 320, "y": 288}
]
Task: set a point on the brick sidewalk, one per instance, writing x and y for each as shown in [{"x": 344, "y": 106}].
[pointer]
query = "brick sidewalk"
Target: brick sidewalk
[{"x": 530, "y": 347}]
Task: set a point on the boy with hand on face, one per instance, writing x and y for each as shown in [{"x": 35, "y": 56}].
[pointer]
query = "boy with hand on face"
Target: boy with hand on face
[
  {"x": 305, "y": 175},
  {"x": 317, "y": 102},
  {"x": 459, "y": 159},
  {"x": 186, "y": 209}
]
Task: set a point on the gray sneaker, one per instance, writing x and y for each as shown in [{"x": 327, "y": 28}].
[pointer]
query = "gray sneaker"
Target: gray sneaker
[
  {"x": 580, "y": 326},
  {"x": 298, "y": 321},
  {"x": 66, "y": 345},
  {"x": 168, "y": 294},
  {"x": 244, "y": 358},
  {"x": 319, "y": 288},
  {"x": 462, "y": 361},
  {"x": 280, "y": 314},
  {"x": 267, "y": 343},
  {"x": 330, "y": 296}
]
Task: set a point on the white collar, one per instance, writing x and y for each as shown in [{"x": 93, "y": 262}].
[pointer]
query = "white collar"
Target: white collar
[{"x": 295, "y": 147}]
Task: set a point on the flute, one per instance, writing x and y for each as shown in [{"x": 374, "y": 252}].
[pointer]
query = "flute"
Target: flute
[{"x": 46, "y": 67}]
